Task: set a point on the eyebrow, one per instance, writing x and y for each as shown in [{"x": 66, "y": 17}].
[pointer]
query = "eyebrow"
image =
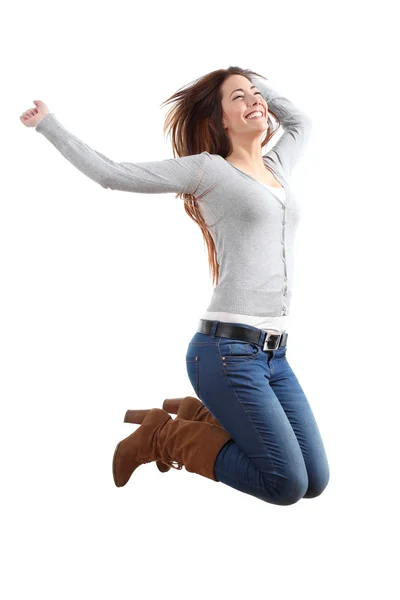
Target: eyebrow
[{"x": 241, "y": 90}]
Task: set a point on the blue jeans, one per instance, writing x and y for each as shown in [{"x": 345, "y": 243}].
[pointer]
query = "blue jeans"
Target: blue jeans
[{"x": 276, "y": 452}]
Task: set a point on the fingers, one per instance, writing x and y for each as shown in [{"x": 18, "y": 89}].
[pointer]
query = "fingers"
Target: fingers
[
  {"x": 27, "y": 116},
  {"x": 29, "y": 113}
]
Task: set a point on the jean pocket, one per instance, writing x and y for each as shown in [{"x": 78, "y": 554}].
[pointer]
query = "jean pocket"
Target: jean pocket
[
  {"x": 238, "y": 351},
  {"x": 192, "y": 368}
]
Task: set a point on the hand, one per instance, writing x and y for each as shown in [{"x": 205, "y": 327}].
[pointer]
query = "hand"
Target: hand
[{"x": 33, "y": 116}]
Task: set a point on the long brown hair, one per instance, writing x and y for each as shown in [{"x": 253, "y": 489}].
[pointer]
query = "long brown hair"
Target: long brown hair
[{"x": 195, "y": 125}]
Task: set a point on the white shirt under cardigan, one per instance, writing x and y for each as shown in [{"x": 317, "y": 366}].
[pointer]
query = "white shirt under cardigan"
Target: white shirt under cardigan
[{"x": 278, "y": 324}]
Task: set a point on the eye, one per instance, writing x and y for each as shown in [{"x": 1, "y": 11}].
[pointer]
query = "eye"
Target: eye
[{"x": 243, "y": 96}]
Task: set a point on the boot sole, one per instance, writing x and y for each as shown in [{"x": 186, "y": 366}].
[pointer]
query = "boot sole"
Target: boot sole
[{"x": 113, "y": 464}]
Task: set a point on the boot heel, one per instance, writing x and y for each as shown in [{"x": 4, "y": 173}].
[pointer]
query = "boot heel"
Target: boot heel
[
  {"x": 135, "y": 416},
  {"x": 172, "y": 405}
]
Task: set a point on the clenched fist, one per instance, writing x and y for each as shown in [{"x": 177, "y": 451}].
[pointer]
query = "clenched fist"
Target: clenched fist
[{"x": 33, "y": 116}]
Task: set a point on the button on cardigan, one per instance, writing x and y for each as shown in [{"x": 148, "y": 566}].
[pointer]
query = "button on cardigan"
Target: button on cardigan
[{"x": 252, "y": 227}]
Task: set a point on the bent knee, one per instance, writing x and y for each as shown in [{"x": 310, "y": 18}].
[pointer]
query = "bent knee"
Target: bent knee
[
  {"x": 288, "y": 491},
  {"x": 316, "y": 488}
]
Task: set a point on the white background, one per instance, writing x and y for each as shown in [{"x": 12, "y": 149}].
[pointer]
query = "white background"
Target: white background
[{"x": 101, "y": 292}]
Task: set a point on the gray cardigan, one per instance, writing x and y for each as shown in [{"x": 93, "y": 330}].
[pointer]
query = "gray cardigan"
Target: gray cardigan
[{"x": 252, "y": 229}]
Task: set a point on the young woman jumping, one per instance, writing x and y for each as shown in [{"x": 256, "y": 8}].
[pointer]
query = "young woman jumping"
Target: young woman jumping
[{"x": 251, "y": 425}]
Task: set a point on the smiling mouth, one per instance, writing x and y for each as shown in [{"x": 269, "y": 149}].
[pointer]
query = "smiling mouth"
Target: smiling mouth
[{"x": 250, "y": 118}]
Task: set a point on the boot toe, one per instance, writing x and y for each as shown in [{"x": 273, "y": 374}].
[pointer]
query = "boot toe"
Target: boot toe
[
  {"x": 138, "y": 448},
  {"x": 121, "y": 466}
]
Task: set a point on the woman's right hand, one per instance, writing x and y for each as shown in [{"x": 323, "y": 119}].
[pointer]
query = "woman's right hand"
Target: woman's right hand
[{"x": 33, "y": 116}]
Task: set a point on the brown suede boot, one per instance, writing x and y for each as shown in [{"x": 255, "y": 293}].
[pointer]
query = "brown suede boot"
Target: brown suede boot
[
  {"x": 188, "y": 408},
  {"x": 192, "y": 444}
]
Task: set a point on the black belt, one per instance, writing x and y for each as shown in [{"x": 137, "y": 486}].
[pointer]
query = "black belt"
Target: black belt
[{"x": 269, "y": 340}]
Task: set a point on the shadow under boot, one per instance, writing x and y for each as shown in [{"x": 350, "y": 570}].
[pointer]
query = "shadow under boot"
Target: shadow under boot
[{"x": 192, "y": 444}]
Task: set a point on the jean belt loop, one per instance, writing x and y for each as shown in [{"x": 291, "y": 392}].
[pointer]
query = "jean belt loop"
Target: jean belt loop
[{"x": 214, "y": 328}]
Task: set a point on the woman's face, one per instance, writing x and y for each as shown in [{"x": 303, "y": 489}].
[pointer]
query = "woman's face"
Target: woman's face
[{"x": 238, "y": 103}]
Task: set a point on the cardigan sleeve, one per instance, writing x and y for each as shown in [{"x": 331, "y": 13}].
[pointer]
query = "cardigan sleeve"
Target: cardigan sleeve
[
  {"x": 153, "y": 177},
  {"x": 296, "y": 125}
]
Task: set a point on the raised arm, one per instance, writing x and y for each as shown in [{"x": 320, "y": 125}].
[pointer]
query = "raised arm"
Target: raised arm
[
  {"x": 170, "y": 175},
  {"x": 296, "y": 125}
]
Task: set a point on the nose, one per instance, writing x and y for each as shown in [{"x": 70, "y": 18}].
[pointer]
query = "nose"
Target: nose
[{"x": 261, "y": 105}]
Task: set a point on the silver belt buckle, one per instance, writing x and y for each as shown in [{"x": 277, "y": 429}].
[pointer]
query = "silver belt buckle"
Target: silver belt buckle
[{"x": 270, "y": 335}]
